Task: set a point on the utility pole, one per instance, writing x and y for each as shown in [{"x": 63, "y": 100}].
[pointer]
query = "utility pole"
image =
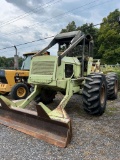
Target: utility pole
[{"x": 16, "y": 59}]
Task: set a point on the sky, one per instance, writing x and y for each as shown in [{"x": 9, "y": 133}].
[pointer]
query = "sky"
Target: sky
[{"x": 23, "y": 21}]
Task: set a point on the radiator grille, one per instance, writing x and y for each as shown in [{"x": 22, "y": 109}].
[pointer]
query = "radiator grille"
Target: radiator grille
[{"x": 43, "y": 67}]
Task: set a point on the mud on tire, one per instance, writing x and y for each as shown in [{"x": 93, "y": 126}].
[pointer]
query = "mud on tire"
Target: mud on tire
[
  {"x": 112, "y": 85},
  {"x": 95, "y": 94}
]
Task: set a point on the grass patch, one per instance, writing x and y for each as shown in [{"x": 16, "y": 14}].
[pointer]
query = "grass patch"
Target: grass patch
[
  {"x": 118, "y": 94},
  {"x": 112, "y": 109}
]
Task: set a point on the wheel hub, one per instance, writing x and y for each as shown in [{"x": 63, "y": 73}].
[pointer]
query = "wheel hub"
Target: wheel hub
[{"x": 21, "y": 92}]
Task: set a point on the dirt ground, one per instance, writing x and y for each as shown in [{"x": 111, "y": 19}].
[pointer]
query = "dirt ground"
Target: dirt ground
[{"x": 94, "y": 138}]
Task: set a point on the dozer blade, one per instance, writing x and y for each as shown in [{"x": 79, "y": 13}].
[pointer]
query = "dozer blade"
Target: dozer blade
[{"x": 37, "y": 124}]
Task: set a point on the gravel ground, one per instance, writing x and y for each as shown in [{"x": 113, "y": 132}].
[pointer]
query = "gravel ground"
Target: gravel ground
[{"x": 94, "y": 138}]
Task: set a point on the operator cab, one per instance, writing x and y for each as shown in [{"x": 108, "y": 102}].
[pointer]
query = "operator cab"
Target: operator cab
[
  {"x": 83, "y": 50},
  {"x": 27, "y": 60},
  {"x": 63, "y": 44}
]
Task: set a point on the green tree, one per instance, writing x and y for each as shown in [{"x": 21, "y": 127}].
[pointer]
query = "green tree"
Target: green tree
[
  {"x": 9, "y": 62},
  {"x": 20, "y": 60},
  {"x": 109, "y": 38},
  {"x": 70, "y": 27},
  {"x": 3, "y": 61},
  {"x": 87, "y": 29},
  {"x": 93, "y": 31},
  {"x": 106, "y": 39}
]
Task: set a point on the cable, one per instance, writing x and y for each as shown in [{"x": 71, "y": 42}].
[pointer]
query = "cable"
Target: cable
[
  {"x": 63, "y": 14},
  {"x": 21, "y": 47},
  {"x": 43, "y": 38},
  {"x": 39, "y": 40},
  {"x": 26, "y": 42},
  {"x": 26, "y": 14},
  {"x": 23, "y": 14},
  {"x": 35, "y": 40},
  {"x": 55, "y": 17}
]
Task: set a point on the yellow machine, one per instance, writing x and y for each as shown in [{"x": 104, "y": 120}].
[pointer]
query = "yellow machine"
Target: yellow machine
[{"x": 15, "y": 81}]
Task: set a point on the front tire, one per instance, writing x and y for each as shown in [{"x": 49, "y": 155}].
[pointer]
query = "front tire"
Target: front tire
[
  {"x": 46, "y": 96},
  {"x": 19, "y": 91},
  {"x": 95, "y": 94}
]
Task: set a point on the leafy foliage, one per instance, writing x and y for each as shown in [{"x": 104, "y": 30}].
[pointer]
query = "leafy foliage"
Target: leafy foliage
[
  {"x": 87, "y": 29},
  {"x": 106, "y": 38},
  {"x": 9, "y": 62},
  {"x": 109, "y": 39},
  {"x": 70, "y": 27}
]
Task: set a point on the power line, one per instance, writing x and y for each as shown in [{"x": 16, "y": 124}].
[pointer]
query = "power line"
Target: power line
[
  {"x": 38, "y": 40},
  {"x": 26, "y": 42},
  {"x": 33, "y": 10},
  {"x": 48, "y": 38},
  {"x": 36, "y": 25},
  {"x": 21, "y": 47},
  {"x": 41, "y": 39},
  {"x": 55, "y": 16},
  {"x": 27, "y": 14}
]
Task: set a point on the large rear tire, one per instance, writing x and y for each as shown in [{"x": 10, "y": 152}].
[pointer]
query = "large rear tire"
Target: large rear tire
[
  {"x": 112, "y": 85},
  {"x": 95, "y": 94},
  {"x": 19, "y": 91}
]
